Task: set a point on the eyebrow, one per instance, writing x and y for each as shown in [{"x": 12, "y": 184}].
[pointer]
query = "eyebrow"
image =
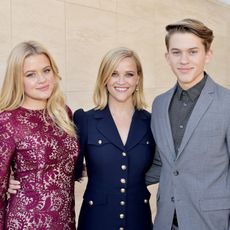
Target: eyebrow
[
  {"x": 29, "y": 71},
  {"x": 192, "y": 48}
]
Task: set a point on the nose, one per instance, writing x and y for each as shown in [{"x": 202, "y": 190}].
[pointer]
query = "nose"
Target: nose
[
  {"x": 121, "y": 79},
  {"x": 41, "y": 78},
  {"x": 184, "y": 58}
]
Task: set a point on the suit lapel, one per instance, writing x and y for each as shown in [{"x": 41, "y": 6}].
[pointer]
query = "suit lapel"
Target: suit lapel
[
  {"x": 107, "y": 127},
  {"x": 199, "y": 110},
  {"x": 138, "y": 129},
  {"x": 167, "y": 129}
]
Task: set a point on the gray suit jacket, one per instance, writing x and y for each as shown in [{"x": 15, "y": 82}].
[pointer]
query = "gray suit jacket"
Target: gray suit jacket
[{"x": 196, "y": 182}]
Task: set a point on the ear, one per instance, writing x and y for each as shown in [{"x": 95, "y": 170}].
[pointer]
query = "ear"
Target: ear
[
  {"x": 208, "y": 56},
  {"x": 167, "y": 57}
]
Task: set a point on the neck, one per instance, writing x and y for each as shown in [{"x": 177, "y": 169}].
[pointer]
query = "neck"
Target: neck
[
  {"x": 34, "y": 106},
  {"x": 121, "y": 108}
]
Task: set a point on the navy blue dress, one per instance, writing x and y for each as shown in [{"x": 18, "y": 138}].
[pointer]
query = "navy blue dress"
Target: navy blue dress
[{"x": 116, "y": 197}]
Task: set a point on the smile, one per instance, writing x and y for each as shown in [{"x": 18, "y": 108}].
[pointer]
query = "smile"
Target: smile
[{"x": 121, "y": 89}]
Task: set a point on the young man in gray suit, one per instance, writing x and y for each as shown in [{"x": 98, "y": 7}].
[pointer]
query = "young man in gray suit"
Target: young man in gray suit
[{"x": 191, "y": 127}]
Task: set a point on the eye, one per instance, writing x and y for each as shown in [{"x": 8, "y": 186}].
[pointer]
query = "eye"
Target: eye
[
  {"x": 114, "y": 74},
  {"x": 47, "y": 70},
  {"x": 30, "y": 75},
  {"x": 129, "y": 74},
  {"x": 193, "y": 52},
  {"x": 176, "y": 52}
]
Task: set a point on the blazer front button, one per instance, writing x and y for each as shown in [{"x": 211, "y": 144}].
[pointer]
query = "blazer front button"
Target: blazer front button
[
  {"x": 90, "y": 202},
  {"x": 175, "y": 173},
  {"x": 99, "y": 142},
  {"x": 121, "y": 229},
  {"x": 122, "y": 216},
  {"x": 122, "y": 190},
  {"x": 123, "y": 167},
  {"x": 145, "y": 201},
  {"x": 122, "y": 203},
  {"x": 123, "y": 181},
  {"x": 124, "y": 154}
]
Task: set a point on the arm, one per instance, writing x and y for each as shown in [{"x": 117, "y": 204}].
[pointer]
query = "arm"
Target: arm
[
  {"x": 7, "y": 147},
  {"x": 80, "y": 120},
  {"x": 153, "y": 175}
]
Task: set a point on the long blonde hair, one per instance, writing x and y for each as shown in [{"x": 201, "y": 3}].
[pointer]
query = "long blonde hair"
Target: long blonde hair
[
  {"x": 107, "y": 67},
  {"x": 12, "y": 93}
]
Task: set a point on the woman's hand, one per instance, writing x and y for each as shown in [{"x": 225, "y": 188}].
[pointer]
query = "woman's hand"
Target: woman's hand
[{"x": 14, "y": 185}]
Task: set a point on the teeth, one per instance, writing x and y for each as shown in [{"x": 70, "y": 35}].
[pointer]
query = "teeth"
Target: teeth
[{"x": 121, "y": 89}]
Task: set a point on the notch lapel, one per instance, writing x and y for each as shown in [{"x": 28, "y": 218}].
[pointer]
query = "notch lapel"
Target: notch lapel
[
  {"x": 107, "y": 127},
  {"x": 167, "y": 129},
  {"x": 202, "y": 105},
  {"x": 138, "y": 129}
]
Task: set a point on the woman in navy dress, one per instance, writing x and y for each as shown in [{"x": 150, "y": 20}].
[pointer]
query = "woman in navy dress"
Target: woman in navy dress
[{"x": 118, "y": 147}]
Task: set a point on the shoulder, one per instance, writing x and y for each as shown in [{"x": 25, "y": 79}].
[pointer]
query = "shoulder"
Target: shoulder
[
  {"x": 80, "y": 114},
  {"x": 7, "y": 116},
  {"x": 144, "y": 113}
]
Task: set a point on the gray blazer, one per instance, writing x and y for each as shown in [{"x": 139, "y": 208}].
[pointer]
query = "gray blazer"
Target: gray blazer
[{"x": 196, "y": 182}]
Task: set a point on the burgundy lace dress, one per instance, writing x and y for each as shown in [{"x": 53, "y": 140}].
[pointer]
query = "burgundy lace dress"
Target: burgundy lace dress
[{"x": 43, "y": 159}]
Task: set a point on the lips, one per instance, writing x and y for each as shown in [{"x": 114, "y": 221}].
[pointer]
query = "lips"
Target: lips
[
  {"x": 184, "y": 70},
  {"x": 44, "y": 88}
]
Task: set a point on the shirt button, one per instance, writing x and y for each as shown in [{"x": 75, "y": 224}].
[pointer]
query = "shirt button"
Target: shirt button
[
  {"x": 122, "y": 190},
  {"x": 122, "y": 216},
  {"x": 184, "y": 104},
  {"x": 123, "y": 167},
  {"x": 124, "y": 154},
  {"x": 175, "y": 173},
  {"x": 181, "y": 126},
  {"x": 173, "y": 199},
  {"x": 123, "y": 181},
  {"x": 122, "y": 203}
]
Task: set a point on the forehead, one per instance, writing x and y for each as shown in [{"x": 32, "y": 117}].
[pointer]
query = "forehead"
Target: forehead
[
  {"x": 126, "y": 64},
  {"x": 185, "y": 41},
  {"x": 35, "y": 61}
]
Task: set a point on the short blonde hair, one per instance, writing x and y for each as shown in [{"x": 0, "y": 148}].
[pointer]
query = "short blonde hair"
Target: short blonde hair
[
  {"x": 107, "y": 67},
  {"x": 12, "y": 93}
]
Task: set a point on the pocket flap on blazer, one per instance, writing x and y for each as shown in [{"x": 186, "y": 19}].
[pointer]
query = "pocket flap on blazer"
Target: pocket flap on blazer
[
  {"x": 215, "y": 204},
  {"x": 140, "y": 197},
  {"x": 94, "y": 198}
]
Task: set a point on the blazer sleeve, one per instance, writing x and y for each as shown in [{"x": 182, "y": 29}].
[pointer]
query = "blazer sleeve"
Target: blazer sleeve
[
  {"x": 80, "y": 121},
  {"x": 153, "y": 174}
]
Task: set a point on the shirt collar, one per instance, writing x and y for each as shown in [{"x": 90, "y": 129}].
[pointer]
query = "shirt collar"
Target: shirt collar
[{"x": 194, "y": 92}]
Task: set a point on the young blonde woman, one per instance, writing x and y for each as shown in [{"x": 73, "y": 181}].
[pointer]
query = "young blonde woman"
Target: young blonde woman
[
  {"x": 116, "y": 141},
  {"x": 38, "y": 141}
]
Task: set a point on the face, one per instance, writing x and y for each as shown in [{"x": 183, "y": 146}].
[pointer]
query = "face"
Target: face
[
  {"x": 187, "y": 57},
  {"x": 39, "y": 81},
  {"x": 123, "y": 82}
]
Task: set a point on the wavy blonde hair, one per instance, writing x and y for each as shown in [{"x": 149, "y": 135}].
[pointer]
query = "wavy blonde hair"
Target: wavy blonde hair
[
  {"x": 107, "y": 67},
  {"x": 12, "y": 93}
]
